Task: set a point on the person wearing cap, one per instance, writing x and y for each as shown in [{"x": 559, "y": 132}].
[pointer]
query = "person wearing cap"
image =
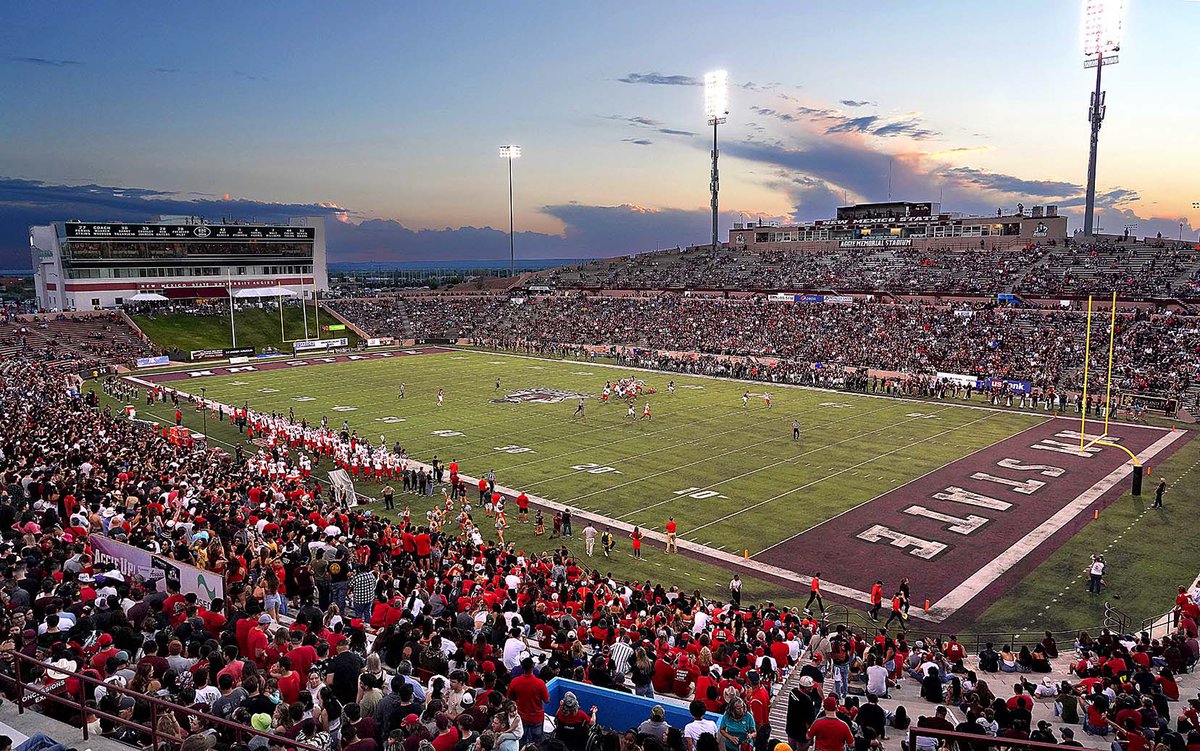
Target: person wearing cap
[
  {"x": 656, "y": 726},
  {"x": 1068, "y": 738},
  {"x": 801, "y": 711},
  {"x": 830, "y": 733}
]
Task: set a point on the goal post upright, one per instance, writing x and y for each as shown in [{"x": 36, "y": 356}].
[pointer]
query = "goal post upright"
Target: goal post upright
[
  {"x": 1112, "y": 338},
  {"x": 1087, "y": 355}
]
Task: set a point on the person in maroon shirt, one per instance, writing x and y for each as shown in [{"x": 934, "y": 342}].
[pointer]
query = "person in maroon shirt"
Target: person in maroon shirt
[{"x": 530, "y": 694}]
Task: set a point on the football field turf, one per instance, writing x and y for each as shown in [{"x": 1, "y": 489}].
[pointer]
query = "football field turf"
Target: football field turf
[
  {"x": 964, "y": 500},
  {"x": 733, "y": 477}
]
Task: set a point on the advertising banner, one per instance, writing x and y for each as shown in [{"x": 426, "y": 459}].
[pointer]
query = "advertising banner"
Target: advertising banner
[
  {"x": 156, "y": 570},
  {"x": 150, "y": 362},
  {"x": 311, "y": 345},
  {"x": 998, "y": 384},
  {"x": 839, "y": 299},
  {"x": 381, "y": 341},
  {"x": 781, "y": 297},
  {"x": 334, "y": 327},
  {"x": 810, "y": 298},
  {"x": 220, "y": 354},
  {"x": 959, "y": 378}
]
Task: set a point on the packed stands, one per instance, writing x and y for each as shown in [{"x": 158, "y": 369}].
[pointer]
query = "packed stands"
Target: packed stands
[
  {"x": 348, "y": 631},
  {"x": 1154, "y": 353},
  {"x": 73, "y": 340},
  {"x": 1136, "y": 270}
]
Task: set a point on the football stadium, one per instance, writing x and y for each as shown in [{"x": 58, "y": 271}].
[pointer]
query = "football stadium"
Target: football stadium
[{"x": 897, "y": 473}]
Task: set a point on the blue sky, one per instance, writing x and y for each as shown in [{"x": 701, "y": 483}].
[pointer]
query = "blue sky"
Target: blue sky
[{"x": 387, "y": 116}]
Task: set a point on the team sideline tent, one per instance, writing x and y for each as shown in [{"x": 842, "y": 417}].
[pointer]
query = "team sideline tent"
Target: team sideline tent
[
  {"x": 147, "y": 297},
  {"x": 265, "y": 292}
]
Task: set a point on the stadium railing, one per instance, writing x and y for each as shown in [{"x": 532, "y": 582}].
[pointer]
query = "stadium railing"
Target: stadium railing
[
  {"x": 950, "y": 740},
  {"x": 59, "y": 693}
]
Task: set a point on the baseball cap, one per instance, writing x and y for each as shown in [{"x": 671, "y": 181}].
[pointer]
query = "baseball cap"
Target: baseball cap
[
  {"x": 806, "y": 682},
  {"x": 830, "y": 703},
  {"x": 261, "y": 722},
  {"x": 411, "y": 719}
]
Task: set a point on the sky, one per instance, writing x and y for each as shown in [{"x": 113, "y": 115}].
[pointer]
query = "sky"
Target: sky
[{"x": 387, "y": 117}]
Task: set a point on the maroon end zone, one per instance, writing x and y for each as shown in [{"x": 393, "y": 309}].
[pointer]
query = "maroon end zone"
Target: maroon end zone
[
  {"x": 256, "y": 366},
  {"x": 979, "y": 523}
]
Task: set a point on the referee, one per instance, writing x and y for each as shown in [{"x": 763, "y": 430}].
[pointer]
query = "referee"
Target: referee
[{"x": 795, "y": 430}]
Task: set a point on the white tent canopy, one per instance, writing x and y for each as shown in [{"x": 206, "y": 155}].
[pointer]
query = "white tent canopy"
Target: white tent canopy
[
  {"x": 265, "y": 292},
  {"x": 147, "y": 297}
]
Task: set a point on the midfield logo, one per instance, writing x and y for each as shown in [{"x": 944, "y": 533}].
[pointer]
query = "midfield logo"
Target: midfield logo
[{"x": 538, "y": 396}]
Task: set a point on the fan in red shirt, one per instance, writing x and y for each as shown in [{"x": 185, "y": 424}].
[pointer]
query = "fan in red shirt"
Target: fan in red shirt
[{"x": 829, "y": 733}]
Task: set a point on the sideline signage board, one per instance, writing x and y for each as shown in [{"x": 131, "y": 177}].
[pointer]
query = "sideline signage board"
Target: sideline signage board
[{"x": 156, "y": 570}]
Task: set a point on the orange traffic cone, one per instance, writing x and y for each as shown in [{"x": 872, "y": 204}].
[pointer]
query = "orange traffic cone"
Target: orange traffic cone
[{"x": 926, "y": 606}]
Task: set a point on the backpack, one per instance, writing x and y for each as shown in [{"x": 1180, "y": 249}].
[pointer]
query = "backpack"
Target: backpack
[{"x": 839, "y": 654}]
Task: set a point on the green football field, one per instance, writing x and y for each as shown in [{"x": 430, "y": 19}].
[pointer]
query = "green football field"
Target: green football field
[{"x": 731, "y": 476}]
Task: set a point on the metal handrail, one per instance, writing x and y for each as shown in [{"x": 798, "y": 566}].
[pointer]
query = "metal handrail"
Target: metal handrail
[
  {"x": 157, "y": 706},
  {"x": 953, "y": 739}
]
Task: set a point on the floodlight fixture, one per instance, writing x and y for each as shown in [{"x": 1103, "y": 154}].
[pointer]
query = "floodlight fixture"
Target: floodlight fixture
[
  {"x": 1103, "y": 23},
  {"x": 716, "y": 96},
  {"x": 511, "y": 152}
]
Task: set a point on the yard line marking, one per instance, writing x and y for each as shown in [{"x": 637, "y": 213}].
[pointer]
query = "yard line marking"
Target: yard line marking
[
  {"x": 767, "y": 466},
  {"x": 655, "y": 451},
  {"x": 802, "y": 387},
  {"x": 835, "y": 474},
  {"x": 880, "y": 495},
  {"x": 702, "y": 461}
]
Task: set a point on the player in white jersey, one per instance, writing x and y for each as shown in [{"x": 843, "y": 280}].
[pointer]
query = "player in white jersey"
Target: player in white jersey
[
  {"x": 745, "y": 398},
  {"x": 441, "y": 397},
  {"x": 646, "y": 411},
  {"x": 671, "y": 387},
  {"x": 630, "y": 412}
]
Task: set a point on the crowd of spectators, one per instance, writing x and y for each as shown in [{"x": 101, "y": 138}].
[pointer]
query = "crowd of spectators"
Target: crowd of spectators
[
  {"x": 1153, "y": 269},
  {"x": 79, "y": 342},
  {"x": 1158, "y": 353},
  {"x": 339, "y": 628},
  {"x": 348, "y": 630}
]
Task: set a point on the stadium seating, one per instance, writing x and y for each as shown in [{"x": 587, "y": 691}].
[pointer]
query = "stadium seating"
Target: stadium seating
[{"x": 464, "y": 625}]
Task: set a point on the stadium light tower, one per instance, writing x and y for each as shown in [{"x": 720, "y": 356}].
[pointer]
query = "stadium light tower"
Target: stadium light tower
[
  {"x": 510, "y": 153},
  {"x": 716, "y": 107},
  {"x": 1102, "y": 22}
]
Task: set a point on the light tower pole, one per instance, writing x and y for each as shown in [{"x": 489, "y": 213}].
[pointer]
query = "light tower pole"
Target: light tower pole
[
  {"x": 716, "y": 107},
  {"x": 1102, "y": 20},
  {"x": 510, "y": 153}
]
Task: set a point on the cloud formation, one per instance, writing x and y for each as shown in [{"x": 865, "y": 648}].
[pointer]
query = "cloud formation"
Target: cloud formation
[
  {"x": 1002, "y": 183},
  {"x": 589, "y": 230},
  {"x": 660, "y": 79},
  {"x": 46, "y": 61},
  {"x": 638, "y": 141},
  {"x": 855, "y": 103}
]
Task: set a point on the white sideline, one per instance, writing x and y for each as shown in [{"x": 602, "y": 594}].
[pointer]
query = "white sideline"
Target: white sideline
[
  {"x": 940, "y": 611},
  {"x": 975, "y": 583}
]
